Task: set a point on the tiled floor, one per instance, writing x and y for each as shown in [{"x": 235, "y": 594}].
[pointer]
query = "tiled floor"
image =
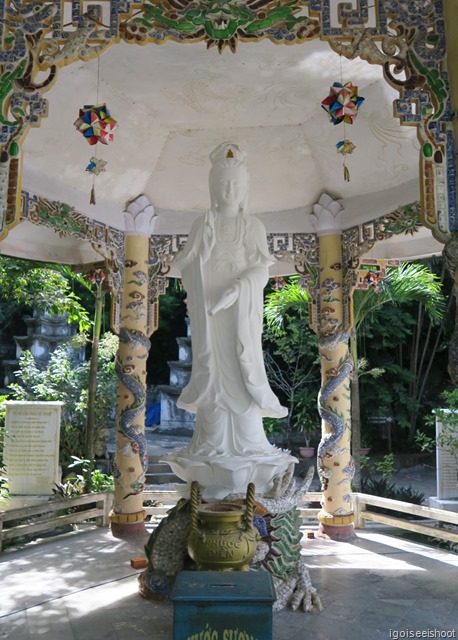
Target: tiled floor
[{"x": 81, "y": 587}]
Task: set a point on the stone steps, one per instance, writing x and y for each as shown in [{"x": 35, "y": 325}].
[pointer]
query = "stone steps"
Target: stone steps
[{"x": 160, "y": 472}]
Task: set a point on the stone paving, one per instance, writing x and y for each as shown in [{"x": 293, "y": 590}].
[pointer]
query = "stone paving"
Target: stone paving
[{"x": 80, "y": 586}]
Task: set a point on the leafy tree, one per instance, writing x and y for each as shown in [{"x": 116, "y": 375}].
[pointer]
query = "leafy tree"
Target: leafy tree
[
  {"x": 291, "y": 356},
  {"x": 172, "y": 314},
  {"x": 50, "y": 288},
  {"x": 67, "y": 380},
  {"x": 410, "y": 282},
  {"x": 34, "y": 286},
  {"x": 93, "y": 282},
  {"x": 42, "y": 287}
]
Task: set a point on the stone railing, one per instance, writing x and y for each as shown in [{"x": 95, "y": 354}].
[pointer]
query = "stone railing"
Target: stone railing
[
  {"x": 52, "y": 514},
  {"x": 46, "y": 516},
  {"x": 431, "y": 525}
]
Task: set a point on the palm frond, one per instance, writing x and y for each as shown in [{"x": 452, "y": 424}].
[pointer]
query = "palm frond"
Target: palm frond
[
  {"x": 410, "y": 282},
  {"x": 278, "y": 303}
]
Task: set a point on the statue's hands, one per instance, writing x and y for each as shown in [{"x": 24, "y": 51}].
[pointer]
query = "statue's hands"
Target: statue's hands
[{"x": 227, "y": 299}]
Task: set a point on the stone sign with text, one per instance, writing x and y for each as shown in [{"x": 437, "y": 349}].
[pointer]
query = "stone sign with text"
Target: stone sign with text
[{"x": 32, "y": 447}]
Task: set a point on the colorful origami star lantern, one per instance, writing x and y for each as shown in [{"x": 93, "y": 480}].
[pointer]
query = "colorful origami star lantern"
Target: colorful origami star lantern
[
  {"x": 345, "y": 147},
  {"x": 96, "y": 276},
  {"x": 278, "y": 283},
  {"x": 96, "y": 124},
  {"x": 342, "y": 103},
  {"x": 372, "y": 279}
]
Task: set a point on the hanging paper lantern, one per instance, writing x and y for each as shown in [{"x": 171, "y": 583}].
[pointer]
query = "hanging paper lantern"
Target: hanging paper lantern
[
  {"x": 96, "y": 276},
  {"x": 96, "y": 165},
  {"x": 96, "y": 124},
  {"x": 345, "y": 147},
  {"x": 371, "y": 278},
  {"x": 278, "y": 283},
  {"x": 342, "y": 103}
]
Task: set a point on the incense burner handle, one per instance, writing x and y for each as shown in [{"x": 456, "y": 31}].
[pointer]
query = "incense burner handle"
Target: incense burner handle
[
  {"x": 249, "y": 506},
  {"x": 195, "y": 502}
]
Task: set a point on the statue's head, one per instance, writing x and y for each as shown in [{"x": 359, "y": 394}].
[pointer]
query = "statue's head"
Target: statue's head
[{"x": 228, "y": 178}]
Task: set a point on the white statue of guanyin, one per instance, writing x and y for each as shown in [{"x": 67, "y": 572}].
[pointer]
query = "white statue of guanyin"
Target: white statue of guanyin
[{"x": 224, "y": 268}]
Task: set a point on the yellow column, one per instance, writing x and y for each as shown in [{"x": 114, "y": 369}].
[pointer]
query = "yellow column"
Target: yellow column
[
  {"x": 450, "y": 252},
  {"x": 131, "y": 460},
  {"x": 450, "y": 9},
  {"x": 335, "y": 465}
]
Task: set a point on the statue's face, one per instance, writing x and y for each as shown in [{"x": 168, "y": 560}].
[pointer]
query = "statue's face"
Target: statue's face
[{"x": 230, "y": 186}]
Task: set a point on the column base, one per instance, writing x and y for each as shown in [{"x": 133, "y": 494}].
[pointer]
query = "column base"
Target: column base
[
  {"x": 127, "y": 525},
  {"x": 343, "y": 533},
  {"x": 336, "y": 527}
]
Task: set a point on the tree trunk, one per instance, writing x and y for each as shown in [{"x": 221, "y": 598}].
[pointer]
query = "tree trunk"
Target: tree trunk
[
  {"x": 92, "y": 386},
  {"x": 423, "y": 378}
]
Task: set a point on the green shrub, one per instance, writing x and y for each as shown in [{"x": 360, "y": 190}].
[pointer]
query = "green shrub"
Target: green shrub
[
  {"x": 383, "y": 488},
  {"x": 84, "y": 480},
  {"x": 409, "y": 494},
  {"x": 385, "y": 466},
  {"x": 66, "y": 379},
  {"x": 274, "y": 427},
  {"x": 379, "y": 487}
]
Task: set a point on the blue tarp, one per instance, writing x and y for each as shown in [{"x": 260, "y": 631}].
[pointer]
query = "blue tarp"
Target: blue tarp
[{"x": 153, "y": 414}]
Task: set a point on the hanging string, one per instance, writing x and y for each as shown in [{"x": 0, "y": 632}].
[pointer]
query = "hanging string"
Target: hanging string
[
  {"x": 346, "y": 172},
  {"x": 92, "y": 198},
  {"x": 98, "y": 76}
]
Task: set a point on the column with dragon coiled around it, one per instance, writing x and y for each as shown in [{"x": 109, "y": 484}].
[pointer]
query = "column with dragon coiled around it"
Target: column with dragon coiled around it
[
  {"x": 131, "y": 459},
  {"x": 450, "y": 256},
  {"x": 335, "y": 463},
  {"x": 450, "y": 251}
]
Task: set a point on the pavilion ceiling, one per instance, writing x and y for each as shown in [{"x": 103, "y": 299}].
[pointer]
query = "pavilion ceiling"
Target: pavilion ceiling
[{"x": 174, "y": 103}]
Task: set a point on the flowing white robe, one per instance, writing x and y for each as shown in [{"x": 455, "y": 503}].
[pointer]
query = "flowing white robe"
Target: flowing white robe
[{"x": 228, "y": 388}]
